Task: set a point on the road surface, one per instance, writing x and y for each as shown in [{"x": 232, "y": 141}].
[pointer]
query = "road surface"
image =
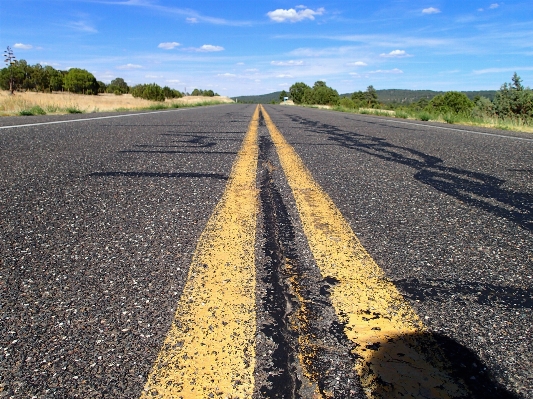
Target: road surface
[{"x": 237, "y": 251}]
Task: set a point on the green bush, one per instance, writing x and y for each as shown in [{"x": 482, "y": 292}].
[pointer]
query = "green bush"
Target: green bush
[
  {"x": 150, "y": 91},
  {"x": 424, "y": 116},
  {"x": 35, "y": 110},
  {"x": 401, "y": 114},
  {"x": 451, "y": 102},
  {"x": 450, "y": 118},
  {"x": 347, "y": 103},
  {"x": 74, "y": 110}
]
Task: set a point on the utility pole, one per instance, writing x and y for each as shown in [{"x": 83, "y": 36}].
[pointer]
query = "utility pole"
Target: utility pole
[{"x": 10, "y": 60}]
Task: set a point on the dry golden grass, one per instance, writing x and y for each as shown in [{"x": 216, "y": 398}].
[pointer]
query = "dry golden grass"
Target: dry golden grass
[{"x": 59, "y": 103}]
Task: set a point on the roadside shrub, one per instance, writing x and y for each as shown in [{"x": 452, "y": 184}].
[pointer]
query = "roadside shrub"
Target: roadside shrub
[
  {"x": 424, "y": 116},
  {"x": 451, "y": 102},
  {"x": 347, "y": 103},
  {"x": 401, "y": 114},
  {"x": 117, "y": 93},
  {"x": 74, "y": 110},
  {"x": 35, "y": 110},
  {"x": 450, "y": 118},
  {"x": 151, "y": 91}
]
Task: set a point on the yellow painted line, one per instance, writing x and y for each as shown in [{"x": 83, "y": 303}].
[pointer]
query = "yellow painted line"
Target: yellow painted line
[
  {"x": 210, "y": 348},
  {"x": 389, "y": 338}
]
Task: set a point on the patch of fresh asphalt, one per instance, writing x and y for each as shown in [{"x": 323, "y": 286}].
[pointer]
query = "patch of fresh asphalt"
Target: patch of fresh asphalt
[
  {"x": 98, "y": 222},
  {"x": 449, "y": 217}
]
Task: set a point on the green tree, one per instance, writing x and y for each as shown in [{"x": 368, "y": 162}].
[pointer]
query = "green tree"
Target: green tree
[
  {"x": 371, "y": 96},
  {"x": 282, "y": 95},
  {"x": 513, "y": 100},
  {"x": 297, "y": 91},
  {"x": 118, "y": 86},
  {"x": 80, "y": 81},
  {"x": 196, "y": 92}
]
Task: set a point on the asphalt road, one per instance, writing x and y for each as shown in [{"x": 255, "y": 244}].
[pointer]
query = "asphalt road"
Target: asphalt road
[{"x": 99, "y": 220}]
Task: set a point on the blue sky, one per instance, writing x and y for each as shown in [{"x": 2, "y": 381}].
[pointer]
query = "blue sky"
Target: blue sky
[{"x": 256, "y": 47}]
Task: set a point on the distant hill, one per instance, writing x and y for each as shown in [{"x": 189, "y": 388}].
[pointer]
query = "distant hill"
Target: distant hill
[
  {"x": 259, "y": 99},
  {"x": 385, "y": 96}
]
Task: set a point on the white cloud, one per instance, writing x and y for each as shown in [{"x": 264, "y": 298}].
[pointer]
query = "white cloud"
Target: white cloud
[
  {"x": 239, "y": 63},
  {"x": 172, "y": 80},
  {"x": 210, "y": 48},
  {"x": 493, "y": 6},
  {"x": 388, "y": 71},
  {"x": 252, "y": 70},
  {"x": 396, "y": 54},
  {"x": 227, "y": 75},
  {"x": 287, "y": 63},
  {"x": 284, "y": 76},
  {"x": 168, "y": 45},
  {"x": 358, "y": 63},
  {"x": 129, "y": 66},
  {"x": 291, "y": 15},
  {"x": 192, "y": 20},
  {"x": 430, "y": 10},
  {"x": 23, "y": 46},
  {"x": 153, "y": 76}
]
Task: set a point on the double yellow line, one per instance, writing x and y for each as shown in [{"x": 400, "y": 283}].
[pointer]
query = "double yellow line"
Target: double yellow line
[{"x": 210, "y": 348}]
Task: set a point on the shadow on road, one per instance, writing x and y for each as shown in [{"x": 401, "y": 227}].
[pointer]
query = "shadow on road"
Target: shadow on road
[
  {"x": 428, "y": 366},
  {"x": 480, "y": 190}
]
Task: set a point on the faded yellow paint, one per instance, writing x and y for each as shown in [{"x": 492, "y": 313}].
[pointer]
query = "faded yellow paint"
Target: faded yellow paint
[
  {"x": 396, "y": 357},
  {"x": 210, "y": 348}
]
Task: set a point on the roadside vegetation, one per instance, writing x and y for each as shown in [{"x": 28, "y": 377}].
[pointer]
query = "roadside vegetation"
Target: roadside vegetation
[
  {"x": 511, "y": 108},
  {"x": 41, "y": 90}
]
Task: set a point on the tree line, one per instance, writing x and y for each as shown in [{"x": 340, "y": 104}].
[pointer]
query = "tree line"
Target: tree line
[
  {"x": 47, "y": 79},
  {"x": 512, "y": 101}
]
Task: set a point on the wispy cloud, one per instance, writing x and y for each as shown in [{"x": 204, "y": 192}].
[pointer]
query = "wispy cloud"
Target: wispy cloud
[
  {"x": 493, "y": 6},
  {"x": 292, "y": 15},
  {"x": 284, "y": 76},
  {"x": 431, "y": 10},
  {"x": 357, "y": 63},
  {"x": 82, "y": 26},
  {"x": 23, "y": 46},
  {"x": 388, "y": 71},
  {"x": 287, "y": 63},
  {"x": 192, "y": 15},
  {"x": 129, "y": 67},
  {"x": 168, "y": 45},
  {"x": 498, "y": 70},
  {"x": 227, "y": 75},
  {"x": 172, "y": 80},
  {"x": 396, "y": 54}
]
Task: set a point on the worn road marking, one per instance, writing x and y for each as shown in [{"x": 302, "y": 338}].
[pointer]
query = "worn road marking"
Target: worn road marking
[
  {"x": 396, "y": 357},
  {"x": 210, "y": 348}
]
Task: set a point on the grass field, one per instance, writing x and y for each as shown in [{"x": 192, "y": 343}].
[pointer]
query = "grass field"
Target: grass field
[
  {"x": 31, "y": 103},
  {"x": 491, "y": 122}
]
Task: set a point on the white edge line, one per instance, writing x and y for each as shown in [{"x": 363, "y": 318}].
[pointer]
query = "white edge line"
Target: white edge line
[{"x": 92, "y": 119}]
